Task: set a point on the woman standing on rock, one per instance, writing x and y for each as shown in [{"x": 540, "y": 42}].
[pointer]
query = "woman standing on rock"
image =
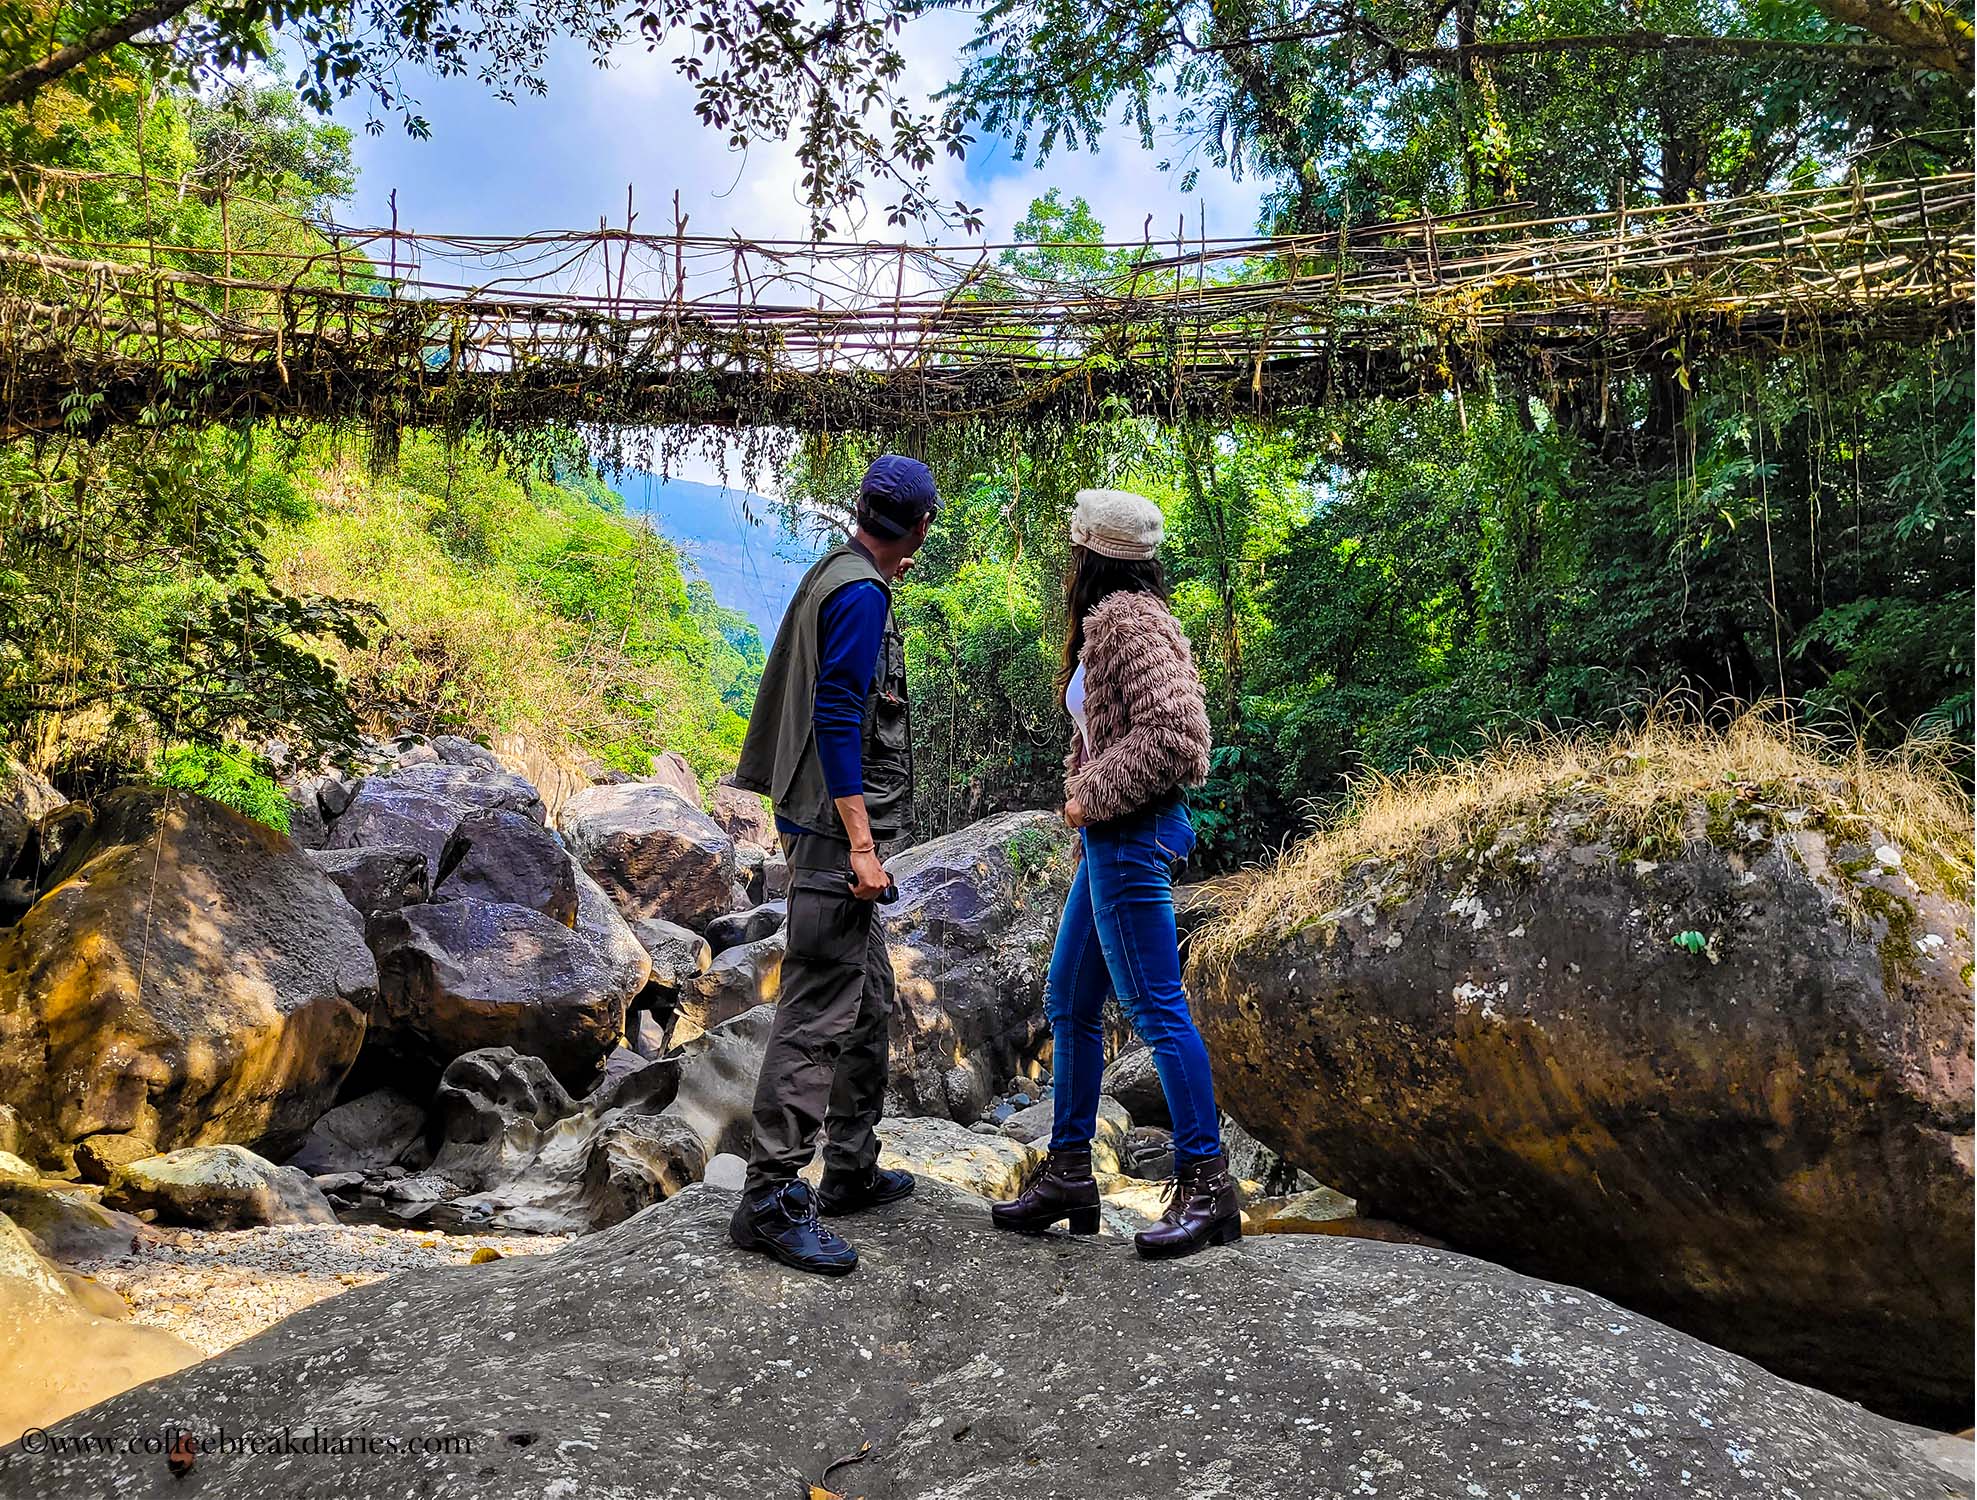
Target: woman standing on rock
[{"x": 1140, "y": 735}]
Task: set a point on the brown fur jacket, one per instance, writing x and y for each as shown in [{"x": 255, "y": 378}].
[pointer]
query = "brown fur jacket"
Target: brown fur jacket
[{"x": 1143, "y": 708}]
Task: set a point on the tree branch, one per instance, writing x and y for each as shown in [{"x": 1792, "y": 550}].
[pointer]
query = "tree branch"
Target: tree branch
[{"x": 21, "y": 85}]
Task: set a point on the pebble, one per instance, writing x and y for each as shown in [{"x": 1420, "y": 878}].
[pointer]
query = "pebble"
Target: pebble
[{"x": 216, "y": 1288}]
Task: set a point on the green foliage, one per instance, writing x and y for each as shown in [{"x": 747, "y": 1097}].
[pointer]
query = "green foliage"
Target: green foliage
[
  {"x": 531, "y": 608},
  {"x": 137, "y": 606},
  {"x": 1386, "y": 581},
  {"x": 227, "y": 775}
]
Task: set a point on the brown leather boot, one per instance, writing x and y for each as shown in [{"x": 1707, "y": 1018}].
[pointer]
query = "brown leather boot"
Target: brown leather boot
[
  {"x": 1062, "y": 1188},
  {"x": 1204, "y": 1208}
]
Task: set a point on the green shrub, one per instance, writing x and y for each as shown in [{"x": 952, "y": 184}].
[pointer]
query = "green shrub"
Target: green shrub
[{"x": 233, "y": 778}]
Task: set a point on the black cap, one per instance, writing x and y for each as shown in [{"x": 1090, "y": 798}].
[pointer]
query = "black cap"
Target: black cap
[{"x": 896, "y": 491}]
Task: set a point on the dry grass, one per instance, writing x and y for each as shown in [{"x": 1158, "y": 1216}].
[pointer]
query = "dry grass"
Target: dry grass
[{"x": 1654, "y": 787}]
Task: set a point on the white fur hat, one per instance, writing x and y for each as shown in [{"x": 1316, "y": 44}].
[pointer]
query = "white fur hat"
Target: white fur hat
[{"x": 1117, "y": 523}]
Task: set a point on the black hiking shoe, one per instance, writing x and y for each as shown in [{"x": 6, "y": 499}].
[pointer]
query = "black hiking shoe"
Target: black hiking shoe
[
  {"x": 854, "y": 1192},
  {"x": 783, "y": 1222}
]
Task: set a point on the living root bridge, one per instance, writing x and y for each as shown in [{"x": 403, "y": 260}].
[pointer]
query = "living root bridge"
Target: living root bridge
[{"x": 609, "y": 329}]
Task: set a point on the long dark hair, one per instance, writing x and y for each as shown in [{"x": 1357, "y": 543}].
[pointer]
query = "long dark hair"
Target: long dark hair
[{"x": 1092, "y": 576}]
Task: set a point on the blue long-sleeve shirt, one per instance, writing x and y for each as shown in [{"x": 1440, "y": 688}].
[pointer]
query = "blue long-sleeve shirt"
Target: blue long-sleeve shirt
[{"x": 850, "y": 626}]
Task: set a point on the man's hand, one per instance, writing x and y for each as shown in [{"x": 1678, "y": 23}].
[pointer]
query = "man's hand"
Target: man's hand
[
  {"x": 868, "y": 877},
  {"x": 1074, "y": 813}
]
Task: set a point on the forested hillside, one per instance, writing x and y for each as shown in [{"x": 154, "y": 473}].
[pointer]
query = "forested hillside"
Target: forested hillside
[{"x": 173, "y": 599}]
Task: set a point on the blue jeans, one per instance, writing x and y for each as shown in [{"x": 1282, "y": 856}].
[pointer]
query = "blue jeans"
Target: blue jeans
[{"x": 1117, "y": 937}]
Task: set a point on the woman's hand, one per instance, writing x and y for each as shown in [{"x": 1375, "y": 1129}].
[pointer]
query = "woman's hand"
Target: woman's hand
[{"x": 1074, "y": 813}]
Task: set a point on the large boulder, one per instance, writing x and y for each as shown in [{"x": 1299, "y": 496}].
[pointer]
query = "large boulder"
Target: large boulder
[
  {"x": 61, "y": 1354},
  {"x": 26, "y": 797},
  {"x": 456, "y": 751},
  {"x": 1133, "y": 1078},
  {"x": 1726, "y": 1080},
  {"x": 942, "y": 1368},
  {"x": 366, "y": 1133},
  {"x": 189, "y": 977},
  {"x": 654, "y": 853},
  {"x": 970, "y": 940},
  {"x": 743, "y": 816},
  {"x": 739, "y": 927},
  {"x": 218, "y": 1187},
  {"x": 738, "y": 980},
  {"x": 383, "y": 877},
  {"x": 669, "y": 769},
  {"x": 460, "y": 975},
  {"x": 68, "y": 1223},
  {"x": 505, "y": 856},
  {"x": 677, "y": 953},
  {"x": 421, "y": 805}
]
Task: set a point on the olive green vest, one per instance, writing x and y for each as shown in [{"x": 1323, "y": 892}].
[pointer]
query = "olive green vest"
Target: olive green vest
[{"x": 779, "y": 755}]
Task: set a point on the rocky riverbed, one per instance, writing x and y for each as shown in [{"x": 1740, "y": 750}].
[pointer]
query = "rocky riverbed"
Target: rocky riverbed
[
  {"x": 494, "y": 1049},
  {"x": 215, "y": 1288}
]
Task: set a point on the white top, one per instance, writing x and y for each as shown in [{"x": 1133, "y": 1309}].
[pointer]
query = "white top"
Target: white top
[{"x": 1074, "y": 703}]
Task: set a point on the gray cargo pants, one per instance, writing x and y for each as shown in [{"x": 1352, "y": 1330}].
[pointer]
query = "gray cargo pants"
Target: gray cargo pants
[{"x": 825, "y": 1065}]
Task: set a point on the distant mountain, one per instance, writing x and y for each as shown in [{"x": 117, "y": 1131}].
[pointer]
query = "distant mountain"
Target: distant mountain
[{"x": 753, "y": 566}]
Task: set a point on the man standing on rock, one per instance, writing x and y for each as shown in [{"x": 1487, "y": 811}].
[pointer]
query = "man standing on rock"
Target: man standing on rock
[{"x": 829, "y": 744}]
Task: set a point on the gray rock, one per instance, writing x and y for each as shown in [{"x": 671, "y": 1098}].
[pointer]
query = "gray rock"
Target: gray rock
[
  {"x": 26, "y": 797},
  {"x": 678, "y": 953},
  {"x": 523, "y": 1155},
  {"x": 655, "y": 854},
  {"x": 419, "y": 807},
  {"x": 334, "y": 789},
  {"x": 420, "y": 1187},
  {"x": 455, "y": 751},
  {"x": 219, "y": 1187},
  {"x": 738, "y": 980},
  {"x": 1675, "y": 1080},
  {"x": 307, "y": 827},
  {"x": 467, "y": 974},
  {"x": 255, "y": 983},
  {"x": 775, "y": 877},
  {"x": 383, "y": 877},
  {"x": 1134, "y": 1081},
  {"x": 409, "y": 750},
  {"x": 508, "y": 857},
  {"x": 99, "y": 1156},
  {"x": 738, "y": 927},
  {"x": 363, "y": 1135},
  {"x": 1147, "y": 1152},
  {"x": 1252, "y": 1161},
  {"x": 965, "y": 1093},
  {"x": 749, "y": 861},
  {"x": 68, "y": 1224},
  {"x": 1034, "y": 1124},
  {"x": 610, "y": 936},
  {"x": 946, "y": 1151},
  {"x": 970, "y": 939},
  {"x": 1339, "y": 1358},
  {"x": 670, "y": 770},
  {"x": 727, "y": 1171},
  {"x": 744, "y": 817},
  {"x": 339, "y": 1184}
]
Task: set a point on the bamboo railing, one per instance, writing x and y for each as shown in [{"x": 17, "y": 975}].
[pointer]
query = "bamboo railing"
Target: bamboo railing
[{"x": 609, "y": 328}]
